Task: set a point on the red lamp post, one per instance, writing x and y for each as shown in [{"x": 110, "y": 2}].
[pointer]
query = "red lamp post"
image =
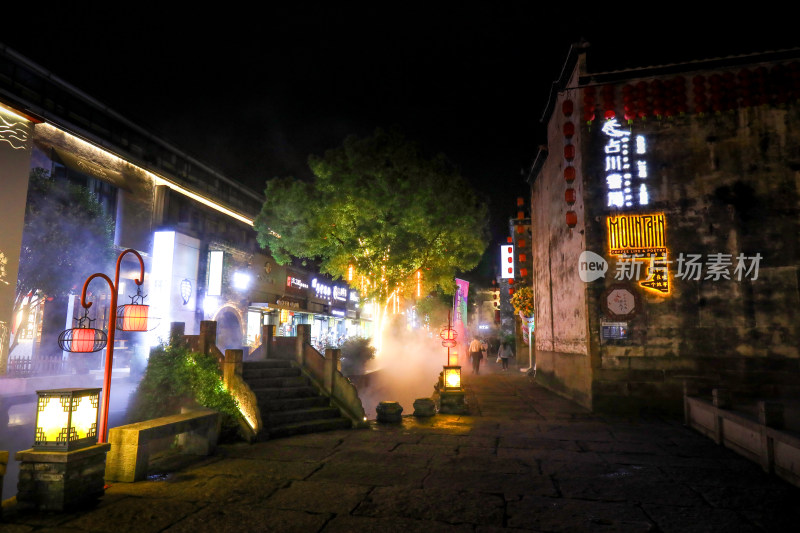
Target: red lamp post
[{"x": 132, "y": 317}]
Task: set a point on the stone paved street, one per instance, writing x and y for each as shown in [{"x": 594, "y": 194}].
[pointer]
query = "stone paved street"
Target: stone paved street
[{"x": 524, "y": 460}]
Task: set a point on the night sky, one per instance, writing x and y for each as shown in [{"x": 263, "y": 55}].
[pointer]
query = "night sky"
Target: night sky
[{"x": 254, "y": 93}]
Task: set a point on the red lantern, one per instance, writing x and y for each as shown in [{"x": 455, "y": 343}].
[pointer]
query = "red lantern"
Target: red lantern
[
  {"x": 523, "y": 272},
  {"x": 567, "y": 107},
  {"x": 569, "y": 174},
  {"x": 520, "y": 214},
  {"x": 523, "y": 258},
  {"x": 83, "y": 339},
  {"x": 569, "y": 152},
  {"x": 572, "y": 219},
  {"x": 132, "y": 317},
  {"x": 520, "y": 201},
  {"x": 569, "y": 130},
  {"x": 509, "y": 240},
  {"x": 570, "y": 196}
]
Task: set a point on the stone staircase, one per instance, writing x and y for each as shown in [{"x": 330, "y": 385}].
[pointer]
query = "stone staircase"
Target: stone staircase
[{"x": 289, "y": 403}]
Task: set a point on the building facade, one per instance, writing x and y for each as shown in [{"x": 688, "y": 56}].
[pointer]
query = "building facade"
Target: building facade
[
  {"x": 192, "y": 226},
  {"x": 665, "y": 245}
]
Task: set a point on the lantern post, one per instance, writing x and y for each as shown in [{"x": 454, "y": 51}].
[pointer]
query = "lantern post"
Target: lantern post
[
  {"x": 103, "y": 425},
  {"x": 451, "y": 393}
]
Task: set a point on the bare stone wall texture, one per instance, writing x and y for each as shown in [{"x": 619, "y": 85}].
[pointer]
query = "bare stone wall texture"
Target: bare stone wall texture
[{"x": 563, "y": 361}]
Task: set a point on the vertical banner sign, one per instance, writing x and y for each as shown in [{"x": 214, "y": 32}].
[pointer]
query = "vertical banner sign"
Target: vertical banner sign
[
  {"x": 460, "y": 314},
  {"x": 15, "y": 163}
]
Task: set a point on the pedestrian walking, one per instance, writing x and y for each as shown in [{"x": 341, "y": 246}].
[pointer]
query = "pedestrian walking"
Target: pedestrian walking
[
  {"x": 475, "y": 355},
  {"x": 484, "y": 349},
  {"x": 504, "y": 353}
]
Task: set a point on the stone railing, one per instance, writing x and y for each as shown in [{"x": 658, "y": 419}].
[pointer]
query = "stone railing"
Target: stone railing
[
  {"x": 323, "y": 371},
  {"x": 754, "y": 431}
]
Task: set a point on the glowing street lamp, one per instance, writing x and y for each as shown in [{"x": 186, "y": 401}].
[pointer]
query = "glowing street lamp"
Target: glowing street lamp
[
  {"x": 66, "y": 419},
  {"x": 130, "y": 317},
  {"x": 452, "y": 378}
]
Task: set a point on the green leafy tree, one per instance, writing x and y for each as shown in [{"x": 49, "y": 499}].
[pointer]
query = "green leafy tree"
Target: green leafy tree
[
  {"x": 66, "y": 238},
  {"x": 380, "y": 209}
]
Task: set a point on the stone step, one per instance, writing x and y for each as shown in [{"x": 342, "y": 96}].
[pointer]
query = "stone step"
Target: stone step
[
  {"x": 271, "y": 363},
  {"x": 310, "y": 426},
  {"x": 291, "y": 404},
  {"x": 270, "y": 383},
  {"x": 270, "y": 393},
  {"x": 282, "y": 418},
  {"x": 277, "y": 372}
]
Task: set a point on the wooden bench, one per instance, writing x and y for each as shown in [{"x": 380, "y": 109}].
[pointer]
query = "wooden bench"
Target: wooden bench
[{"x": 128, "y": 458}]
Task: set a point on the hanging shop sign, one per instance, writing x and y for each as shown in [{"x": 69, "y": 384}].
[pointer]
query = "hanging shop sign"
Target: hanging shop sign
[
  {"x": 321, "y": 291},
  {"x": 339, "y": 293},
  {"x": 296, "y": 285},
  {"x": 625, "y": 167},
  {"x": 637, "y": 238}
]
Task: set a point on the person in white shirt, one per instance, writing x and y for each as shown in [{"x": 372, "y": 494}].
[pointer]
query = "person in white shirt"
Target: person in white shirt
[{"x": 475, "y": 355}]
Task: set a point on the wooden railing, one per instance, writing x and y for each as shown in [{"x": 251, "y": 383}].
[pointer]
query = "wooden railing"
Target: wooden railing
[{"x": 23, "y": 367}]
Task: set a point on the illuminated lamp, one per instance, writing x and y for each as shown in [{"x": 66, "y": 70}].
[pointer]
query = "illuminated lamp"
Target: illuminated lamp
[
  {"x": 572, "y": 219},
  {"x": 133, "y": 316},
  {"x": 588, "y": 116},
  {"x": 84, "y": 338},
  {"x": 452, "y": 378},
  {"x": 570, "y": 196},
  {"x": 510, "y": 292},
  {"x": 569, "y": 130},
  {"x": 511, "y": 282},
  {"x": 520, "y": 215},
  {"x": 520, "y": 229},
  {"x": 609, "y": 114},
  {"x": 520, "y": 201},
  {"x": 509, "y": 240},
  {"x": 453, "y": 357},
  {"x": 569, "y": 174},
  {"x": 521, "y": 242},
  {"x": 569, "y": 152},
  {"x": 567, "y": 107},
  {"x": 66, "y": 419},
  {"x": 523, "y": 272},
  {"x": 523, "y": 258}
]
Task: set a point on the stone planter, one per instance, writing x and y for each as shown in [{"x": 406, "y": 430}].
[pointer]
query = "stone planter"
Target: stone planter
[{"x": 389, "y": 412}]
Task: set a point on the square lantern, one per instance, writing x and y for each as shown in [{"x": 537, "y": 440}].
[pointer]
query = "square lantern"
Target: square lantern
[
  {"x": 452, "y": 378},
  {"x": 66, "y": 419}
]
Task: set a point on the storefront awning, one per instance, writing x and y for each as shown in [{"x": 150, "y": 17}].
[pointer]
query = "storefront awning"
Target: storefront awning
[{"x": 79, "y": 164}]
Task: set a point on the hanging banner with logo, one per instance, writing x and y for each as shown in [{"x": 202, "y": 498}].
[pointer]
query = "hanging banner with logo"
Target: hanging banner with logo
[{"x": 460, "y": 312}]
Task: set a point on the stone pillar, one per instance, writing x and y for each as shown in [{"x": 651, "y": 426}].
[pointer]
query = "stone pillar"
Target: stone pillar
[
  {"x": 208, "y": 335},
  {"x": 331, "y": 367},
  {"x": 303, "y": 338},
  {"x": 267, "y": 335},
  {"x": 176, "y": 332},
  {"x": 61, "y": 481},
  {"x": 770, "y": 414},
  {"x": 232, "y": 366}
]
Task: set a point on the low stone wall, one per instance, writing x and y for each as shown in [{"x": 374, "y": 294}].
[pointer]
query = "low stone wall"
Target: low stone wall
[
  {"x": 130, "y": 444},
  {"x": 775, "y": 449}
]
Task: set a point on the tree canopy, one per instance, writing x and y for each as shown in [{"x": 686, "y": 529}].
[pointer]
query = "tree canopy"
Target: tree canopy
[
  {"x": 378, "y": 212},
  {"x": 66, "y": 238}
]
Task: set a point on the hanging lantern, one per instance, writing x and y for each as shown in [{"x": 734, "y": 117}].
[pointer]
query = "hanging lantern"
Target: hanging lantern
[
  {"x": 572, "y": 219},
  {"x": 569, "y": 152},
  {"x": 567, "y": 107},
  {"x": 133, "y": 316},
  {"x": 570, "y": 196},
  {"x": 588, "y": 104},
  {"x": 84, "y": 338},
  {"x": 569, "y": 130},
  {"x": 569, "y": 174}
]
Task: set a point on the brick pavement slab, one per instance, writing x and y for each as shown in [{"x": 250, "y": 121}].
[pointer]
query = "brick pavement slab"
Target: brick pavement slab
[{"x": 524, "y": 459}]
